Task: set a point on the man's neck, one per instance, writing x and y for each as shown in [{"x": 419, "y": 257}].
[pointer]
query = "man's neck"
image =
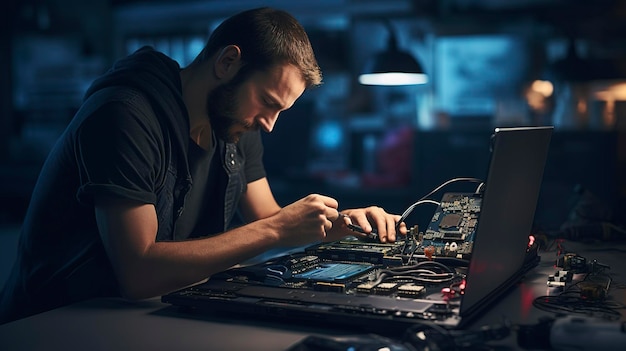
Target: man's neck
[
  {"x": 201, "y": 135},
  {"x": 196, "y": 83}
]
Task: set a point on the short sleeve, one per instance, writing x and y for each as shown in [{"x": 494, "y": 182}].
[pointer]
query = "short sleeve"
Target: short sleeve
[{"x": 119, "y": 153}]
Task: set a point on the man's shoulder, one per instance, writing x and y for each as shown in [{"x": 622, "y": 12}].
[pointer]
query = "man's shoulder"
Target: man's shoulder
[
  {"x": 118, "y": 102},
  {"x": 117, "y": 108},
  {"x": 118, "y": 94}
]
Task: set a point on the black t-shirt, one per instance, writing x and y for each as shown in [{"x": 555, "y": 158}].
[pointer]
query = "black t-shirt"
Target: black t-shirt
[
  {"x": 202, "y": 214},
  {"x": 129, "y": 140},
  {"x": 115, "y": 150}
]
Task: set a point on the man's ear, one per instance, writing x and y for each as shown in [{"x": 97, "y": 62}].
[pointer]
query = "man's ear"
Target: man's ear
[{"x": 228, "y": 62}]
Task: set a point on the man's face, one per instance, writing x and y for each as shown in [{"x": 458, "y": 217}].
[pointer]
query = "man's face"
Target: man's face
[
  {"x": 222, "y": 108},
  {"x": 237, "y": 107}
]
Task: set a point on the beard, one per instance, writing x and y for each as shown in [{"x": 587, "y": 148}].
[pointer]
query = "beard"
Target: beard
[{"x": 222, "y": 109}]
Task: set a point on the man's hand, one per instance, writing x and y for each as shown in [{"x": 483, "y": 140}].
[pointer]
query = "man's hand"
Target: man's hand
[
  {"x": 316, "y": 218},
  {"x": 368, "y": 218},
  {"x": 306, "y": 220}
]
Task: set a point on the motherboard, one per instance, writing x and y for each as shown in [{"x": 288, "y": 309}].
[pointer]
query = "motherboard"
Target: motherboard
[
  {"x": 452, "y": 230},
  {"x": 402, "y": 269}
]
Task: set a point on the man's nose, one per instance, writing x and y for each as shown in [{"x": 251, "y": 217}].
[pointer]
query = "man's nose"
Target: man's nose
[{"x": 267, "y": 122}]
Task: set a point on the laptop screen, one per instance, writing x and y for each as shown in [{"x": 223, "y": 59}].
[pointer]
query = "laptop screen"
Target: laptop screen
[{"x": 510, "y": 196}]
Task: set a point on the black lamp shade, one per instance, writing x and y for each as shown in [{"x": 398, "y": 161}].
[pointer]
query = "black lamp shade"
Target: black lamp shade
[
  {"x": 393, "y": 61},
  {"x": 393, "y": 67}
]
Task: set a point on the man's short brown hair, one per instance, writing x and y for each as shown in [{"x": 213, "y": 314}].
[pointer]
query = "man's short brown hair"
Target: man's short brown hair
[{"x": 266, "y": 37}]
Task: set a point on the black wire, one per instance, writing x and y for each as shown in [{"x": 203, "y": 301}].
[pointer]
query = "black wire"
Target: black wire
[
  {"x": 419, "y": 271},
  {"x": 408, "y": 211},
  {"x": 421, "y": 265},
  {"x": 570, "y": 301},
  {"x": 575, "y": 305},
  {"x": 421, "y": 279}
]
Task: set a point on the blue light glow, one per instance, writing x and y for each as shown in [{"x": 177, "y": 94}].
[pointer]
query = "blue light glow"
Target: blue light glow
[{"x": 329, "y": 135}]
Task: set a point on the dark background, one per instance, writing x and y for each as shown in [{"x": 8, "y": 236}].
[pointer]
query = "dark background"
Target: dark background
[{"x": 364, "y": 145}]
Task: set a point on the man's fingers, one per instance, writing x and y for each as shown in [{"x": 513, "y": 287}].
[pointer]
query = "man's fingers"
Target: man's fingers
[
  {"x": 328, "y": 206},
  {"x": 346, "y": 219},
  {"x": 336, "y": 215}
]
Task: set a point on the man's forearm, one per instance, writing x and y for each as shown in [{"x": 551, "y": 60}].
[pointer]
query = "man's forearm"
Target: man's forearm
[{"x": 168, "y": 266}]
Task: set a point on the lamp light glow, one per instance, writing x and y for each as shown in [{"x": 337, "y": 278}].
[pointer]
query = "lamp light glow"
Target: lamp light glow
[
  {"x": 393, "y": 78},
  {"x": 393, "y": 66}
]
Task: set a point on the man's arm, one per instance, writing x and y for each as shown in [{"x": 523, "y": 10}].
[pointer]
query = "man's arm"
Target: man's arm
[
  {"x": 258, "y": 201},
  {"x": 146, "y": 268}
]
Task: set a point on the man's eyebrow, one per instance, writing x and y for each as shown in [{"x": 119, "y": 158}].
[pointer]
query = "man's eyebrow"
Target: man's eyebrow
[{"x": 274, "y": 102}]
